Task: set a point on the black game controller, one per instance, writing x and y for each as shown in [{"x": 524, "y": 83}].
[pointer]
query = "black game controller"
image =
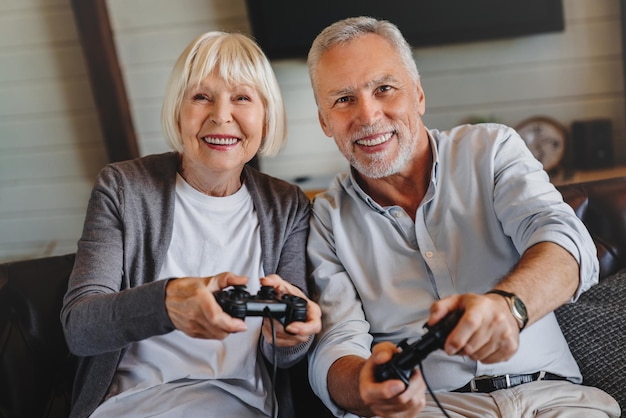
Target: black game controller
[
  {"x": 238, "y": 303},
  {"x": 402, "y": 364}
]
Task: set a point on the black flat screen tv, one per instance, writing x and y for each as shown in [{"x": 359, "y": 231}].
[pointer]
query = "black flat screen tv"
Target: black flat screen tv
[{"x": 286, "y": 28}]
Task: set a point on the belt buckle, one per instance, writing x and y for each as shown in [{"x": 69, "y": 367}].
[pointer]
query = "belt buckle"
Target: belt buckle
[{"x": 474, "y": 388}]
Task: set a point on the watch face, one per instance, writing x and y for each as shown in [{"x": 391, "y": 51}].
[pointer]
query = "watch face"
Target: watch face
[
  {"x": 520, "y": 308},
  {"x": 546, "y": 140}
]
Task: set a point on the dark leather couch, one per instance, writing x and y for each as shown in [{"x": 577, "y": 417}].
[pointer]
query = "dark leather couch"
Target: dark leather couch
[{"x": 36, "y": 369}]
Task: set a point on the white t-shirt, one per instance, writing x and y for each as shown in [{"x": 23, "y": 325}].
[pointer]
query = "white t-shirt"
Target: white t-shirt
[{"x": 174, "y": 375}]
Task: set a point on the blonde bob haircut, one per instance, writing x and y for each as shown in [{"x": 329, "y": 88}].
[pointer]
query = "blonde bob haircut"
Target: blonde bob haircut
[{"x": 237, "y": 59}]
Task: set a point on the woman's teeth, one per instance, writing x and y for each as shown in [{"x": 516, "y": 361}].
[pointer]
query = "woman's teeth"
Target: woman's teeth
[{"x": 220, "y": 141}]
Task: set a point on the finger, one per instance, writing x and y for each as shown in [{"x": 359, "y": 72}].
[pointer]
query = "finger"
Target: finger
[
  {"x": 282, "y": 286},
  {"x": 407, "y": 403},
  {"x": 442, "y": 307},
  {"x": 468, "y": 325},
  {"x": 313, "y": 323},
  {"x": 221, "y": 329},
  {"x": 383, "y": 352},
  {"x": 304, "y": 329},
  {"x": 274, "y": 280},
  {"x": 191, "y": 318},
  {"x": 282, "y": 337},
  {"x": 500, "y": 347},
  {"x": 223, "y": 280},
  {"x": 215, "y": 319}
]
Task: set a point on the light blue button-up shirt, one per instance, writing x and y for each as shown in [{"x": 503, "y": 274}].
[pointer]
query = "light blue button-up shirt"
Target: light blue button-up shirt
[{"x": 378, "y": 272}]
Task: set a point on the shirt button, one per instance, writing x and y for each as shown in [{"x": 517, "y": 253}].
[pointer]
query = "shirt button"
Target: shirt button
[
  {"x": 428, "y": 254},
  {"x": 397, "y": 213}
]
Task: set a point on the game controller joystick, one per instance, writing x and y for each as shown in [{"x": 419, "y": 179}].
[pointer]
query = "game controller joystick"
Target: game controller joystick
[
  {"x": 238, "y": 303},
  {"x": 402, "y": 364}
]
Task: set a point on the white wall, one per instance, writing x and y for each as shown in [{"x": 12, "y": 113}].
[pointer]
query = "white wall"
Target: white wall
[
  {"x": 50, "y": 142},
  {"x": 51, "y": 146},
  {"x": 570, "y": 75}
]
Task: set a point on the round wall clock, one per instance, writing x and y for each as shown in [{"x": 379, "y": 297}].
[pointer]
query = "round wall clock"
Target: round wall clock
[{"x": 545, "y": 137}]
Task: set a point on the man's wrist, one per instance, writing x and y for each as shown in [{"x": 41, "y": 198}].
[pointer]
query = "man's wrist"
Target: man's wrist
[{"x": 516, "y": 306}]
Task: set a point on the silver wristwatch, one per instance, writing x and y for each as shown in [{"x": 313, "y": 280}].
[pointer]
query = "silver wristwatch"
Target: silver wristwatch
[{"x": 518, "y": 309}]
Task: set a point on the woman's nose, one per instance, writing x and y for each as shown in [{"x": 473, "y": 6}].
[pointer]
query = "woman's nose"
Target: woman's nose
[{"x": 220, "y": 113}]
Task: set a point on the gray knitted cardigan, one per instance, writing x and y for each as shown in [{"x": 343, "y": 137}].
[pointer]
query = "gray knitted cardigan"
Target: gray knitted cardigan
[{"x": 114, "y": 297}]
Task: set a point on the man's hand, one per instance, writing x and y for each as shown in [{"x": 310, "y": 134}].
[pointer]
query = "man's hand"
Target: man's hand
[
  {"x": 192, "y": 307},
  {"x": 296, "y": 332},
  {"x": 486, "y": 332},
  {"x": 391, "y": 398}
]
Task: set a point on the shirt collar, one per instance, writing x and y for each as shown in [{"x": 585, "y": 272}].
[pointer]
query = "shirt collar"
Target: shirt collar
[{"x": 429, "y": 193}]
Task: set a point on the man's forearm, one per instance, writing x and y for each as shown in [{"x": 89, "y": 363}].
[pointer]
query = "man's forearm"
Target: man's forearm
[
  {"x": 545, "y": 278},
  {"x": 343, "y": 385}
]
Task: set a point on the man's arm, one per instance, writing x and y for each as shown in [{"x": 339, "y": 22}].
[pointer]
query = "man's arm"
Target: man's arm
[
  {"x": 341, "y": 377},
  {"x": 370, "y": 398},
  {"x": 545, "y": 278}
]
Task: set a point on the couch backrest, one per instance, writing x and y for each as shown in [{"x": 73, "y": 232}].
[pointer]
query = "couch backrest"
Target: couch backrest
[
  {"x": 602, "y": 207},
  {"x": 36, "y": 369}
]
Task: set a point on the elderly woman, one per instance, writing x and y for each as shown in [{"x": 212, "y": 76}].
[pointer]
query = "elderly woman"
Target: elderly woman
[{"x": 163, "y": 233}]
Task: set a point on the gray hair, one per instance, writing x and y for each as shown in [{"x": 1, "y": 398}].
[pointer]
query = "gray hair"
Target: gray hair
[
  {"x": 236, "y": 58},
  {"x": 346, "y": 30}
]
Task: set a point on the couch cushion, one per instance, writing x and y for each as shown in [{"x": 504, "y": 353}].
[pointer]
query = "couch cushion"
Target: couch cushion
[{"x": 595, "y": 328}]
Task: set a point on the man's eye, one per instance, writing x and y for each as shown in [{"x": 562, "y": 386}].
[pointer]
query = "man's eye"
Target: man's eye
[
  {"x": 384, "y": 88},
  {"x": 343, "y": 99}
]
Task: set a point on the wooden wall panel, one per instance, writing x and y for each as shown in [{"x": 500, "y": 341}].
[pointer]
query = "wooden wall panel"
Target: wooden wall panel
[{"x": 52, "y": 143}]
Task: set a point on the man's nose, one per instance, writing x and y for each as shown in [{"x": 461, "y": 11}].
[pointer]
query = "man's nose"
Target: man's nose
[{"x": 369, "y": 111}]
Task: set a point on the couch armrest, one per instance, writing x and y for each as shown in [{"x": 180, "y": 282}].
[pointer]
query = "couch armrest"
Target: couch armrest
[{"x": 601, "y": 205}]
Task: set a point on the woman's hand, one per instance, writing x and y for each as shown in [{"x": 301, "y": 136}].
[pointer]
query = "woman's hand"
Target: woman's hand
[
  {"x": 192, "y": 307},
  {"x": 296, "y": 332}
]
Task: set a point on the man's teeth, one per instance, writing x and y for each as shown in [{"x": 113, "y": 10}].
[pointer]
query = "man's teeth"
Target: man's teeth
[
  {"x": 220, "y": 141},
  {"x": 375, "y": 141}
]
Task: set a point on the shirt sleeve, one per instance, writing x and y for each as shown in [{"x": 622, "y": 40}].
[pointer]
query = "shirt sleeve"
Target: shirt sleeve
[
  {"x": 532, "y": 210},
  {"x": 101, "y": 313},
  {"x": 344, "y": 328}
]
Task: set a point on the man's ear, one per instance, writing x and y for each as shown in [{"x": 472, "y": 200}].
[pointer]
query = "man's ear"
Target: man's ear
[
  {"x": 323, "y": 124},
  {"x": 421, "y": 98}
]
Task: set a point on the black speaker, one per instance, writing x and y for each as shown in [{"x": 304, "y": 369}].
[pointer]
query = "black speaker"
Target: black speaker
[{"x": 593, "y": 144}]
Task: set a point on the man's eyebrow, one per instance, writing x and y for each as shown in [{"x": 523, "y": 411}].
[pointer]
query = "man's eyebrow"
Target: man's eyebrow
[
  {"x": 346, "y": 91},
  {"x": 385, "y": 79}
]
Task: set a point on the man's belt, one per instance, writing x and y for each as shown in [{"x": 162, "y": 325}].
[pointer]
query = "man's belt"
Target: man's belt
[{"x": 487, "y": 384}]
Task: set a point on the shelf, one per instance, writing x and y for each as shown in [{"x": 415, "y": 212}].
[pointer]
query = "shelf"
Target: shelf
[
  {"x": 578, "y": 176},
  {"x": 314, "y": 185}
]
